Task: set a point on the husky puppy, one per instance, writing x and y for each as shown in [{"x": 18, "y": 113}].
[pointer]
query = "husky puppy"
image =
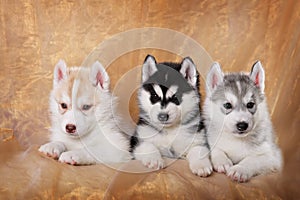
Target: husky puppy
[
  {"x": 170, "y": 123},
  {"x": 83, "y": 126},
  {"x": 239, "y": 128}
]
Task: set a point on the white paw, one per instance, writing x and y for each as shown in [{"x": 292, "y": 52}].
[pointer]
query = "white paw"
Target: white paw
[
  {"x": 149, "y": 155},
  {"x": 76, "y": 158},
  {"x": 153, "y": 162},
  {"x": 201, "y": 167},
  {"x": 221, "y": 163},
  {"x": 239, "y": 173},
  {"x": 53, "y": 149}
]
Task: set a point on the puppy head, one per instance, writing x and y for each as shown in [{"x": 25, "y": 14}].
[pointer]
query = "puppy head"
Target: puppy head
[
  {"x": 76, "y": 92},
  {"x": 236, "y": 97},
  {"x": 169, "y": 91}
]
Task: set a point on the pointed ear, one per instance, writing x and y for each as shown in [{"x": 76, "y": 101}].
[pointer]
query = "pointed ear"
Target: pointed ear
[
  {"x": 99, "y": 76},
  {"x": 257, "y": 75},
  {"x": 189, "y": 72},
  {"x": 60, "y": 72},
  {"x": 149, "y": 67},
  {"x": 214, "y": 77}
]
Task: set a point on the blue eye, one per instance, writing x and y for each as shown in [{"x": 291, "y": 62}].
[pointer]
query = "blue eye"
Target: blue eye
[
  {"x": 86, "y": 107},
  {"x": 227, "y": 106}
]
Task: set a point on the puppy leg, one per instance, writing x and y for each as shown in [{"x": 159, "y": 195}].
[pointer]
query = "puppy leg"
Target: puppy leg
[
  {"x": 221, "y": 163},
  {"x": 53, "y": 149},
  {"x": 199, "y": 162},
  {"x": 254, "y": 165},
  {"x": 149, "y": 155},
  {"x": 77, "y": 157}
]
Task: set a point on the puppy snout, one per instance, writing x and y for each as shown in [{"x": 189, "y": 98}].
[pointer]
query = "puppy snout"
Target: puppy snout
[
  {"x": 163, "y": 117},
  {"x": 242, "y": 126},
  {"x": 70, "y": 128}
]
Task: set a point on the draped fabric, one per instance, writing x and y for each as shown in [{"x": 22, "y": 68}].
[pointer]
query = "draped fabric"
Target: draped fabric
[{"x": 34, "y": 35}]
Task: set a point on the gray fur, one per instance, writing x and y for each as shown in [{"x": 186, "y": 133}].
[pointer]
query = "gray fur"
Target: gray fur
[
  {"x": 238, "y": 152},
  {"x": 229, "y": 84}
]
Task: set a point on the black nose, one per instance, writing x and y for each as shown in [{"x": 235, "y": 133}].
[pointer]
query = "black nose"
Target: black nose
[
  {"x": 242, "y": 126},
  {"x": 163, "y": 117},
  {"x": 70, "y": 128}
]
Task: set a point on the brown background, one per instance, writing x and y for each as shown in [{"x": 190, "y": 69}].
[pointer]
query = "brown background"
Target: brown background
[{"x": 34, "y": 35}]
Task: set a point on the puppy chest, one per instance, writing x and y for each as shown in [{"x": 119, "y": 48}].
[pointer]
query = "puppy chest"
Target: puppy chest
[
  {"x": 235, "y": 150},
  {"x": 172, "y": 145}
]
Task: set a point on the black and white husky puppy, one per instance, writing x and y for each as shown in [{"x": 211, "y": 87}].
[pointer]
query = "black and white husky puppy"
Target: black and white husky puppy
[
  {"x": 239, "y": 129},
  {"x": 170, "y": 122}
]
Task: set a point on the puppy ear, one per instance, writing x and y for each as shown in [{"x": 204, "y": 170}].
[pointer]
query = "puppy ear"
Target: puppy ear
[
  {"x": 257, "y": 75},
  {"x": 189, "y": 72},
  {"x": 60, "y": 72},
  {"x": 149, "y": 67},
  {"x": 214, "y": 77},
  {"x": 99, "y": 76}
]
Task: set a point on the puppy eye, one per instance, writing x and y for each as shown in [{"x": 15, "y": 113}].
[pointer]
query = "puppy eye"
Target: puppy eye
[
  {"x": 86, "y": 107},
  {"x": 154, "y": 98},
  {"x": 250, "y": 105},
  {"x": 63, "y": 106},
  {"x": 227, "y": 106},
  {"x": 174, "y": 99}
]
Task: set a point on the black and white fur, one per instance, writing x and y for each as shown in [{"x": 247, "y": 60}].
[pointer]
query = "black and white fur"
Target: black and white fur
[
  {"x": 239, "y": 128},
  {"x": 170, "y": 123}
]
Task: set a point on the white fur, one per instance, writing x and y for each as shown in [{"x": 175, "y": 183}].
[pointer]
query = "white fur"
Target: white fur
[
  {"x": 258, "y": 71},
  {"x": 188, "y": 70},
  {"x": 214, "y": 77},
  {"x": 60, "y": 72},
  {"x": 149, "y": 68},
  {"x": 96, "y": 70},
  {"x": 233, "y": 154},
  {"x": 97, "y": 138},
  {"x": 171, "y": 91},
  {"x": 154, "y": 145},
  {"x": 158, "y": 90},
  {"x": 235, "y": 116}
]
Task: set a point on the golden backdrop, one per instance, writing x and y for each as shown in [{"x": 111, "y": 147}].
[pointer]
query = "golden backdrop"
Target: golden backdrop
[{"x": 34, "y": 35}]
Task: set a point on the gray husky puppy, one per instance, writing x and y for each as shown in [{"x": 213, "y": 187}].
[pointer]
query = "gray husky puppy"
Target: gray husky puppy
[
  {"x": 170, "y": 122},
  {"x": 239, "y": 128}
]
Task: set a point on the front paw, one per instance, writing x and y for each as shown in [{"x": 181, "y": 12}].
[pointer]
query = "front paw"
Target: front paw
[
  {"x": 221, "y": 163},
  {"x": 53, "y": 149},
  {"x": 239, "y": 173},
  {"x": 76, "y": 158},
  {"x": 201, "y": 167},
  {"x": 154, "y": 162}
]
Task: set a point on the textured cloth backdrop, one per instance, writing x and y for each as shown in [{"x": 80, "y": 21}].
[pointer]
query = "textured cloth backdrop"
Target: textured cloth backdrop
[{"x": 34, "y": 35}]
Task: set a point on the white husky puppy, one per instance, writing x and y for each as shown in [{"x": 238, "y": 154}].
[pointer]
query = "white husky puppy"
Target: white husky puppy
[
  {"x": 83, "y": 127},
  {"x": 239, "y": 128},
  {"x": 170, "y": 121}
]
